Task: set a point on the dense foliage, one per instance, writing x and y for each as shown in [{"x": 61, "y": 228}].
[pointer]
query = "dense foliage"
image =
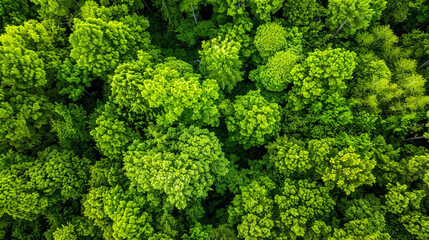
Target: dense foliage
[{"x": 214, "y": 119}]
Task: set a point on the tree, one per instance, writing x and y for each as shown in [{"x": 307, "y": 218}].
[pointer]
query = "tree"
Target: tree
[
  {"x": 252, "y": 210},
  {"x": 112, "y": 135},
  {"x": 364, "y": 218},
  {"x": 411, "y": 83},
  {"x": 349, "y": 170},
  {"x": 126, "y": 209},
  {"x": 166, "y": 93},
  {"x": 19, "y": 197},
  {"x": 308, "y": 15},
  {"x": 73, "y": 81},
  {"x": 28, "y": 57},
  {"x": 236, "y": 8},
  {"x": 253, "y": 120},
  {"x": 177, "y": 166},
  {"x": 418, "y": 42},
  {"x": 294, "y": 158},
  {"x": 214, "y": 119},
  {"x": 407, "y": 204},
  {"x": 13, "y": 13},
  {"x": 303, "y": 207},
  {"x": 233, "y": 8},
  {"x": 44, "y": 38},
  {"x": 275, "y": 75},
  {"x": 319, "y": 86},
  {"x": 60, "y": 174},
  {"x": 25, "y": 119},
  {"x": 66, "y": 232},
  {"x": 303, "y": 13},
  {"x": 71, "y": 125},
  {"x": 374, "y": 89},
  {"x": 100, "y": 45},
  {"x": 198, "y": 232},
  {"x": 388, "y": 167},
  {"x": 399, "y": 11},
  {"x": 93, "y": 208},
  {"x": 382, "y": 41},
  {"x": 417, "y": 167},
  {"x": 358, "y": 229},
  {"x": 21, "y": 68},
  {"x": 273, "y": 37},
  {"x": 239, "y": 31},
  {"x": 416, "y": 223},
  {"x": 264, "y": 9},
  {"x": 356, "y": 15},
  {"x": 56, "y": 9},
  {"x": 220, "y": 61}
]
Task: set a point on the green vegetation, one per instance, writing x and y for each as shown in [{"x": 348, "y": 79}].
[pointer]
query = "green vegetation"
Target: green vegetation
[{"x": 214, "y": 119}]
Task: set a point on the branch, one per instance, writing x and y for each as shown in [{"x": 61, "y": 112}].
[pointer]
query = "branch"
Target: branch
[
  {"x": 147, "y": 6},
  {"x": 425, "y": 64},
  {"x": 195, "y": 18},
  {"x": 342, "y": 25},
  {"x": 414, "y": 138},
  {"x": 199, "y": 63},
  {"x": 165, "y": 5}
]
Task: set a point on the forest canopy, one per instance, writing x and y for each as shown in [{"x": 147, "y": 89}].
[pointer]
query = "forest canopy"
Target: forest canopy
[{"x": 214, "y": 119}]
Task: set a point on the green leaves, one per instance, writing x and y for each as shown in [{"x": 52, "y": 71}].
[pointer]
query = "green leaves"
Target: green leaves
[
  {"x": 364, "y": 218},
  {"x": 356, "y": 14},
  {"x": 125, "y": 208},
  {"x": 272, "y": 37},
  {"x": 320, "y": 83},
  {"x": 264, "y": 9},
  {"x": 72, "y": 80},
  {"x": 348, "y": 171},
  {"x": 261, "y": 9},
  {"x": 166, "y": 93},
  {"x": 112, "y": 135},
  {"x": 66, "y": 232},
  {"x": 13, "y": 12},
  {"x": 275, "y": 75},
  {"x": 220, "y": 61},
  {"x": 71, "y": 125},
  {"x": 253, "y": 210},
  {"x": 296, "y": 158},
  {"x": 60, "y": 173},
  {"x": 374, "y": 89},
  {"x": 297, "y": 210},
  {"x": 416, "y": 223},
  {"x": 303, "y": 12},
  {"x": 242, "y": 119},
  {"x": 99, "y": 46},
  {"x": 302, "y": 204},
  {"x": 18, "y": 196},
  {"x": 24, "y": 119},
  {"x": 254, "y": 120},
  {"x": 177, "y": 166}
]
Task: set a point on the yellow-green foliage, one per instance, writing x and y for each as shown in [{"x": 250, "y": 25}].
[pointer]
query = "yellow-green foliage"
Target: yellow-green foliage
[
  {"x": 166, "y": 93},
  {"x": 254, "y": 120},
  {"x": 349, "y": 170},
  {"x": 214, "y": 119},
  {"x": 177, "y": 166},
  {"x": 275, "y": 75},
  {"x": 220, "y": 61},
  {"x": 272, "y": 37},
  {"x": 357, "y": 14},
  {"x": 100, "y": 46}
]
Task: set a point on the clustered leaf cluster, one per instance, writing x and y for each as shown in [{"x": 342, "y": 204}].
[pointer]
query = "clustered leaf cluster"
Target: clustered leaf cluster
[{"x": 214, "y": 119}]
